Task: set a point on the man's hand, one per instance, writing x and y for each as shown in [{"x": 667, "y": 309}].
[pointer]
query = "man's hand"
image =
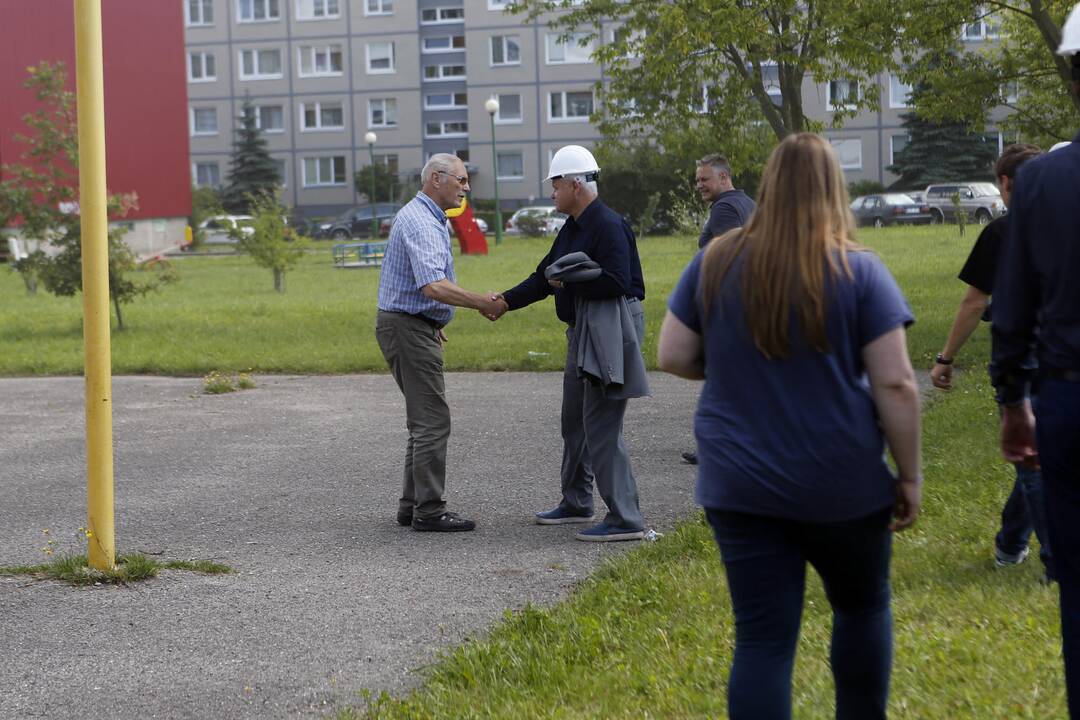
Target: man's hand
[
  {"x": 941, "y": 376},
  {"x": 908, "y": 502},
  {"x": 494, "y": 306},
  {"x": 557, "y": 284},
  {"x": 442, "y": 337},
  {"x": 1018, "y": 434}
]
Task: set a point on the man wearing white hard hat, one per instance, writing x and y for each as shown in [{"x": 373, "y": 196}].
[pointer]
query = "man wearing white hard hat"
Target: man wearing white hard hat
[
  {"x": 1037, "y": 286},
  {"x": 593, "y": 447}
]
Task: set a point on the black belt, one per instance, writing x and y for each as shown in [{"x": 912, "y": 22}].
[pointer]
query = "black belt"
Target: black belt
[
  {"x": 1066, "y": 375},
  {"x": 433, "y": 323}
]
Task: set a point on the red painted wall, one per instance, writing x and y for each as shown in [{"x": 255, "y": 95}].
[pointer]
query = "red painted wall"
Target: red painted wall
[{"x": 146, "y": 123}]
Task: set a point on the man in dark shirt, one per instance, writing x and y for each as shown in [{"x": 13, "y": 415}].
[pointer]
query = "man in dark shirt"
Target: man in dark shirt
[
  {"x": 730, "y": 209},
  {"x": 593, "y": 447},
  {"x": 1038, "y": 286},
  {"x": 1024, "y": 511}
]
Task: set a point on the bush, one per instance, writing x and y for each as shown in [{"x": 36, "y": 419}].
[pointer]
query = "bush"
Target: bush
[
  {"x": 865, "y": 187},
  {"x": 531, "y": 225}
]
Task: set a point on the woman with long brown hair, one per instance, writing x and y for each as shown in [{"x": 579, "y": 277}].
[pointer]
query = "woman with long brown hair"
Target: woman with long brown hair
[{"x": 799, "y": 334}]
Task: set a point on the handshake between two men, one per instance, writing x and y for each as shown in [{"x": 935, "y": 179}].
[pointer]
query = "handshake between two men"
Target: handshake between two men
[{"x": 494, "y": 305}]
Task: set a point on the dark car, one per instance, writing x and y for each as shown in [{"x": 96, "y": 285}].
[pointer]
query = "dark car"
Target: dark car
[
  {"x": 356, "y": 222},
  {"x": 890, "y": 209}
]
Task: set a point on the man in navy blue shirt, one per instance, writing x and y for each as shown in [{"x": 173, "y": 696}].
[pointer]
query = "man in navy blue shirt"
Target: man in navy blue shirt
[
  {"x": 593, "y": 447},
  {"x": 1037, "y": 287}
]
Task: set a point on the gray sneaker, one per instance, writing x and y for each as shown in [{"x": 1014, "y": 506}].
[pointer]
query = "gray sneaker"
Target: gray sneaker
[{"x": 1001, "y": 558}]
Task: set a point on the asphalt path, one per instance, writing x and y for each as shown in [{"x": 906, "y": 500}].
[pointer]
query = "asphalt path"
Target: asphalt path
[{"x": 293, "y": 484}]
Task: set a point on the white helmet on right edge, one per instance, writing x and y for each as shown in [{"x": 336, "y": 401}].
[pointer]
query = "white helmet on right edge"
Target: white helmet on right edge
[
  {"x": 1070, "y": 33},
  {"x": 573, "y": 160}
]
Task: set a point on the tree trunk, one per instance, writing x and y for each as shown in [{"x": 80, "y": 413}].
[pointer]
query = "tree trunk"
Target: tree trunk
[
  {"x": 279, "y": 280},
  {"x": 119, "y": 315}
]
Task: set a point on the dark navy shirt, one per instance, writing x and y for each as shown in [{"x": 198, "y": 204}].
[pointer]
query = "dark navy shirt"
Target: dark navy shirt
[
  {"x": 606, "y": 237},
  {"x": 1038, "y": 279},
  {"x": 731, "y": 210},
  {"x": 795, "y": 438}
]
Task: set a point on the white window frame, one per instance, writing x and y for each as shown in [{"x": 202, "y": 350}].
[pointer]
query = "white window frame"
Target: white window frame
[
  {"x": 439, "y": 19},
  {"x": 203, "y": 133},
  {"x": 568, "y": 118},
  {"x": 202, "y": 55},
  {"x": 318, "y": 181},
  {"x": 442, "y": 76},
  {"x": 892, "y": 146},
  {"x": 499, "y": 119},
  {"x": 385, "y": 111},
  {"x": 902, "y": 102},
  {"x": 571, "y": 46},
  {"x": 315, "y": 16},
  {"x": 520, "y": 154},
  {"x": 499, "y": 5},
  {"x": 368, "y": 12},
  {"x": 505, "y": 41},
  {"x": 283, "y": 176},
  {"x": 201, "y": 21},
  {"x": 240, "y": 19},
  {"x": 195, "y": 172},
  {"x": 849, "y": 166},
  {"x": 830, "y": 106},
  {"x": 257, "y": 75},
  {"x": 424, "y": 50},
  {"x": 318, "y": 108},
  {"x": 259, "y": 120},
  {"x": 380, "y": 71},
  {"x": 453, "y": 98},
  {"x": 442, "y": 127},
  {"x": 313, "y": 52}
]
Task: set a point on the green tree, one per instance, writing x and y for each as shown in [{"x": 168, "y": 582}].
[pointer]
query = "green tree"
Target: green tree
[
  {"x": 42, "y": 192},
  {"x": 271, "y": 243},
  {"x": 205, "y": 203},
  {"x": 387, "y": 183},
  {"x": 252, "y": 171}
]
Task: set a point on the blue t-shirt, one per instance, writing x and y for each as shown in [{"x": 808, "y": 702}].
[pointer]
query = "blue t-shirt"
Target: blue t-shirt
[{"x": 795, "y": 438}]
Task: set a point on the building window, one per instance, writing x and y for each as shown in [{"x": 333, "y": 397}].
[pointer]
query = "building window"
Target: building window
[
  {"x": 380, "y": 58},
  {"x": 204, "y": 121},
  {"x": 511, "y": 165},
  {"x": 570, "y": 106},
  {"x": 505, "y": 50},
  {"x": 444, "y": 72},
  {"x": 631, "y": 40},
  {"x": 201, "y": 67},
  {"x": 260, "y": 64},
  {"x": 445, "y": 101},
  {"x": 317, "y": 9},
  {"x": 207, "y": 174},
  {"x": 1010, "y": 92},
  {"x": 319, "y": 116},
  {"x": 509, "y": 109},
  {"x": 568, "y": 51},
  {"x": 382, "y": 112},
  {"x": 432, "y": 16},
  {"x": 320, "y": 60},
  {"x": 987, "y": 27},
  {"x": 269, "y": 118},
  {"x": 498, "y": 4},
  {"x": 199, "y": 12},
  {"x": 279, "y": 165},
  {"x": 379, "y": 7},
  {"x": 257, "y": 10},
  {"x": 390, "y": 162},
  {"x": 324, "y": 171},
  {"x": 849, "y": 152},
  {"x": 899, "y": 93},
  {"x": 443, "y": 43},
  {"x": 842, "y": 95},
  {"x": 896, "y": 144},
  {"x": 450, "y": 128}
]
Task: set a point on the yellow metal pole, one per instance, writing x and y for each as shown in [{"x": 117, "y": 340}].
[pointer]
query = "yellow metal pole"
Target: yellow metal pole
[{"x": 95, "y": 277}]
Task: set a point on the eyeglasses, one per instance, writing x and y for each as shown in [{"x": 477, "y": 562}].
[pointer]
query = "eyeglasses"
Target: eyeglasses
[{"x": 462, "y": 179}]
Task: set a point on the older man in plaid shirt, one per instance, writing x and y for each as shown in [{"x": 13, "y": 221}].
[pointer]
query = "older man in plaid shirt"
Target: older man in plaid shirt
[{"x": 417, "y": 293}]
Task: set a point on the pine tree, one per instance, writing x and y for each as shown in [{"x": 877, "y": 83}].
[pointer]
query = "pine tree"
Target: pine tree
[{"x": 251, "y": 170}]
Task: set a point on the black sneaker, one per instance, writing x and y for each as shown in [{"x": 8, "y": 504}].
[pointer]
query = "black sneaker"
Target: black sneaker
[
  {"x": 404, "y": 518},
  {"x": 689, "y": 457},
  {"x": 447, "y": 522}
]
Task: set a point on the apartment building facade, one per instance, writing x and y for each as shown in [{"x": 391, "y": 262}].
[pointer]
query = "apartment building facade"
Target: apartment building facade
[{"x": 322, "y": 74}]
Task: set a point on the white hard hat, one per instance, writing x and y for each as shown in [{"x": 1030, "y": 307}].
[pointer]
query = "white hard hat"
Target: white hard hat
[
  {"x": 1070, "y": 33},
  {"x": 1058, "y": 146},
  {"x": 573, "y": 160}
]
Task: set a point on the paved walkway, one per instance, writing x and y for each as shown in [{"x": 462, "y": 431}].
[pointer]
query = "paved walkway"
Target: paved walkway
[{"x": 293, "y": 484}]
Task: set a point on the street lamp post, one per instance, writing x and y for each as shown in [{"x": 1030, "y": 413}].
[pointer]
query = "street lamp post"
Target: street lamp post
[
  {"x": 492, "y": 107},
  {"x": 370, "y": 139}
]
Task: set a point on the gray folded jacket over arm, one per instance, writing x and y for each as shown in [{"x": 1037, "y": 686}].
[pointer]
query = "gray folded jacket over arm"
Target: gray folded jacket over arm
[{"x": 607, "y": 347}]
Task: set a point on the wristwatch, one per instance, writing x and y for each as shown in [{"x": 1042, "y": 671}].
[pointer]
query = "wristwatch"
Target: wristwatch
[{"x": 942, "y": 360}]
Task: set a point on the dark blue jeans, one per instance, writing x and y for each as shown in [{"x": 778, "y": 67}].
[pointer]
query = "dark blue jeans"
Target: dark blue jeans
[
  {"x": 1057, "y": 429},
  {"x": 765, "y": 560},
  {"x": 1024, "y": 512}
]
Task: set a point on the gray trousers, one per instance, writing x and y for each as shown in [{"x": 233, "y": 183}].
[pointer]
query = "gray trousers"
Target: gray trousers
[
  {"x": 415, "y": 355},
  {"x": 593, "y": 447}
]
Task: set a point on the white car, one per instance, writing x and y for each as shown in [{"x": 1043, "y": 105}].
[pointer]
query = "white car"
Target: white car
[
  {"x": 553, "y": 219},
  {"x": 216, "y": 229}
]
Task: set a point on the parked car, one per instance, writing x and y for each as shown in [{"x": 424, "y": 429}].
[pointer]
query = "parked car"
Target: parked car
[
  {"x": 384, "y": 226},
  {"x": 980, "y": 200},
  {"x": 890, "y": 209},
  {"x": 216, "y": 229},
  {"x": 356, "y": 222},
  {"x": 553, "y": 219}
]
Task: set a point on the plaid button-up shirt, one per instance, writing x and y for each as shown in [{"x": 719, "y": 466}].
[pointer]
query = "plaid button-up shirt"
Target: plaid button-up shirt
[{"x": 418, "y": 253}]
